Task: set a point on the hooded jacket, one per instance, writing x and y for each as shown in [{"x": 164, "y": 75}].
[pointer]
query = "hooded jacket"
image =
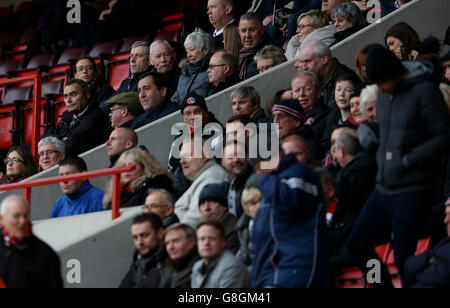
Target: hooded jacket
[
  {"x": 414, "y": 127},
  {"x": 289, "y": 233}
]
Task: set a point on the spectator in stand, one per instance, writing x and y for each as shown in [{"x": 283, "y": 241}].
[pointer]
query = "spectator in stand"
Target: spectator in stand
[
  {"x": 355, "y": 109},
  {"x": 194, "y": 75},
  {"x": 161, "y": 203},
  {"x": 236, "y": 129},
  {"x": 50, "y": 152},
  {"x": 354, "y": 184},
  {"x": 446, "y": 61},
  {"x": 214, "y": 206},
  {"x": 235, "y": 162},
  {"x": 306, "y": 24},
  {"x": 280, "y": 32},
  {"x": 232, "y": 40},
  {"x": 181, "y": 245},
  {"x": 25, "y": 261},
  {"x": 86, "y": 69},
  {"x": 347, "y": 19},
  {"x": 19, "y": 165},
  {"x": 163, "y": 58},
  {"x": 120, "y": 140},
  {"x": 193, "y": 108},
  {"x": 317, "y": 57},
  {"x": 139, "y": 64},
  {"x": 221, "y": 14},
  {"x": 362, "y": 5},
  {"x": 124, "y": 109},
  {"x": 408, "y": 159},
  {"x": 361, "y": 60},
  {"x": 269, "y": 57},
  {"x": 294, "y": 144},
  {"x": 430, "y": 269},
  {"x": 293, "y": 252},
  {"x": 135, "y": 184},
  {"x": 246, "y": 101},
  {"x": 306, "y": 89},
  {"x": 400, "y": 39},
  {"x": 368, "y": 103},
  {"x": 251, "y": 198},
  {"x": 201, "y": 171},
  {"x": 279, "y": 95},
  {"x": 340, "y": 113},
  {"x": 289, "y": 115},
  {"x": 218, "y": 268},
  {"x": 251, "y": 32},
  {"x": 80, "y": 120},
  {"x": 388, "y": 6},
  {"x": 80, "y": 197},
  {"x": 147, "y": 232},
  {"x": 223, "y": 72},
  {"x": 152, "y": 90}
]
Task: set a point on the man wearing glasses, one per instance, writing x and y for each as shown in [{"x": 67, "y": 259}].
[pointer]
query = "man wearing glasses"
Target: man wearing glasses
[
  {"x": 161, "y": 203},
  {"x": 50, "y": 152},
  {"x": 125, "y": 107},
  {"x": 222, "y": 72}
]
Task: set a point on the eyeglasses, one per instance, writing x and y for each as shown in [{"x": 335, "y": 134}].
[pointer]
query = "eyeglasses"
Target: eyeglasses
[
  {"x": 195, "y": 112},
  {"x": 262, "y": 69},
  {"x": 82, "y": 68},
  {"x": 211, "y": 66},
  {"x": 156, "y": 206},
  {"x": 49, "y": 152},
  {"x": 13, "y": 160},
  {"x": 114, "y": 109},
  {"x": 300, "y": 27}
]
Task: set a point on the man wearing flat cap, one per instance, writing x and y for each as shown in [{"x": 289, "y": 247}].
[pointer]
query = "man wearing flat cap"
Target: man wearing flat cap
[
  {"x": 152, "y": 90},
  {"x": 125, "y": 107}
]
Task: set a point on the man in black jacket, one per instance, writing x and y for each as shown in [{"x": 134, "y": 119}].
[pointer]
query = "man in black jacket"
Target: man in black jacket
[
  {"x": 220, "y": 14},
  {"x": 147, "y": 231},
  {"x": 25, "y": 261},
  {"x": 82, "y": 126},
  {"x": 414, "y": 127},
  {"x": 222, "y": 72}
]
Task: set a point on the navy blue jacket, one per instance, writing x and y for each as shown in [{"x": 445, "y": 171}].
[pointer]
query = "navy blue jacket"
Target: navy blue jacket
[
  {"x": 163, "y": 109},
  {"x": 288, "y": 236}
]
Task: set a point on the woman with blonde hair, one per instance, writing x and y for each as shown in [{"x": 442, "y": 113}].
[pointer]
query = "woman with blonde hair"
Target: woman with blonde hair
[{"x": 149, "y": 173}]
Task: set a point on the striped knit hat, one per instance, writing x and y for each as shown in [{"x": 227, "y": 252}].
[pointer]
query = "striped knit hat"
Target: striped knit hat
[{"x": 292, "y": 107}]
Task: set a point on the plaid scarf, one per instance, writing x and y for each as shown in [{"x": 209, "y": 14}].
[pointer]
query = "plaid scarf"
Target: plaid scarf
[{"x": 245, "y": 57}]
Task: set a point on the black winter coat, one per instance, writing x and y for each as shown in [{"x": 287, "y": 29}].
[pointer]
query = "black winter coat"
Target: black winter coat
[
  {"x": 100, "y": 91},
  {"x": 414, "y": 132},
  {"x": 32, "y": 265},
  {"x": 90, "y": 130},
  {"x": 178, "y": 274}
]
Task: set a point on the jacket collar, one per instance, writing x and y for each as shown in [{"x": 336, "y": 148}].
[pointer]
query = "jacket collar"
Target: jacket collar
[
  {"x": 211, "y": 163},
  {"x": 81, "y": 192}
]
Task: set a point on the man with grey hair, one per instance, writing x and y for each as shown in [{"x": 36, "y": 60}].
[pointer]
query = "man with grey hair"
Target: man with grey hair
[
  {"x": 246, "y": 101},
  {"x": 25, "y": 260},
  {"x": 222, "y": 72},
  {"x": 269, "y": 57},
  {"x": 220, "y": 14},
  {"x": 50, "y": 152},
  {"x": 316, "y": 57},
  {"x": 163, "y": 58},
  {"x": 161, "y": 203}
]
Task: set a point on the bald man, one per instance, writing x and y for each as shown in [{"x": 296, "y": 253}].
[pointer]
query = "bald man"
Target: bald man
[
  {"x": 120, "y": 140},
  {"x": 25, "y": 260}
]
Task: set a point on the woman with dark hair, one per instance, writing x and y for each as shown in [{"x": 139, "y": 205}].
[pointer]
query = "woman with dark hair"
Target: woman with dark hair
[
  {"x": 400, "y": 39},
  {"x": 2, "y": 170},
  {"x": 19, "y": 165},
  {"x": 86, "y": 69},
  {"x": 361, "y": 60}
]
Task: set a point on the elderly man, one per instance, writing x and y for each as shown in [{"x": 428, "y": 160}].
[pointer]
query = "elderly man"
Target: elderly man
[
  {"x": 222, "y": 72},
  {"x": 218, "y": 268},
  {"x": 80, "y": 197},
  {"x": 125, "y": 107},
  {"x": 152, "y": 89},
  {"x": 163, "y": 58},
  {"x": 50, "y": 152},
  {"x": 181, "y": 246},
  {"x": 120, "y": 140},
  {"x": 251, "y": 32},
  {"x": 161, "y": 203},
  {"x": 246, "y": 101},
  {"x": 80, "y": 120},
  {"x": 316, "y": 57},
  {"x": 269, "y": 57},
  {"x": 25, "y": 261},
  {"x": 201, "y": 171},
  {"x": 221, "y": 14}
]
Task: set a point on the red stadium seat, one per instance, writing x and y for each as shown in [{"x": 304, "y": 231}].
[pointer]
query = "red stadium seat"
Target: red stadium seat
[
  {"x": 6, "y": 11},
  {"x": 17, "y": 94},
  {"x": 117, "y": 72},
  {"x": 18, "y": 50},
  {"x": 7, "y": 124},
  {"x": 172, "y": 36},
  {"x": 27, "y": 121},
  {"x": 36, "y": 64}
]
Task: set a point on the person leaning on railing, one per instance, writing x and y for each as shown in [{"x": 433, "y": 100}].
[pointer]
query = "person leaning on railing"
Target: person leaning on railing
[{"x": 135, "y": 184}]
